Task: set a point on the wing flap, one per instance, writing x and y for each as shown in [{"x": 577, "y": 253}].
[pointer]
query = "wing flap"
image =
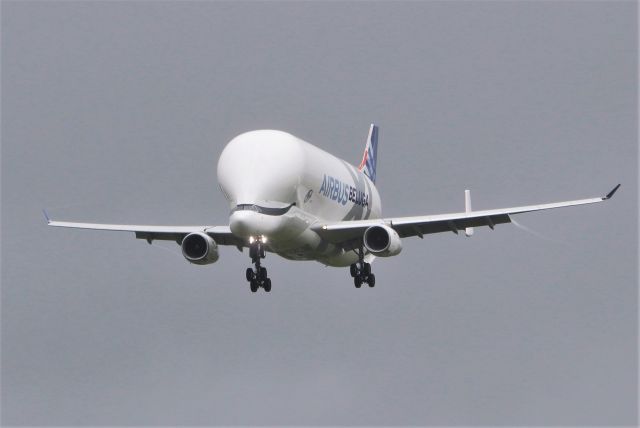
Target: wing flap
[{"x": 454, "y": 225}]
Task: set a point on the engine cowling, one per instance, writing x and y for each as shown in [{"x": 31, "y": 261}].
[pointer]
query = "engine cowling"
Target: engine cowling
[
  {"x": 200, "y": 248},
  {"x": 382, "y": 241}
]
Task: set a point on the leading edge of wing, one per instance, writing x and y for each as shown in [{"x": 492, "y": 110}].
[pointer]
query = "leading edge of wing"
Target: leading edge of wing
[
  {"x": 139, "y": 228},
  {"x": 222, "y": 234},
  {"x": 500, "y": 214}
]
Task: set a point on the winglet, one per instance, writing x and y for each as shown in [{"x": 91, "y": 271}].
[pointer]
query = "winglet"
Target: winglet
[
  {"x": 46, "y": 216},
  {"x": 611, "y": 193}
]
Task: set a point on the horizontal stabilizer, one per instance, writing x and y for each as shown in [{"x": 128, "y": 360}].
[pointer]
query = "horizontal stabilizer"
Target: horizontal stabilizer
[{"x": 467, "y": 208}]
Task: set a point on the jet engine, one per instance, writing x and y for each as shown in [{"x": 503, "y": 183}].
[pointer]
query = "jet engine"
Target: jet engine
[
  {"x": 382, "y": 241},
  {"x": 200, "y": 248}
]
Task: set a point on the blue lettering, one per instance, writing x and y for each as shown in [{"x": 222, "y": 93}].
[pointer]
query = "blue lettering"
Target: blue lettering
[
  {"x": 341, "y": 192},
  {"x": 323, "y": 187}
]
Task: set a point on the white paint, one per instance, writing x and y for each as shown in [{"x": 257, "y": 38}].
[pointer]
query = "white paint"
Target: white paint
[{"x": 301, "y": 199}]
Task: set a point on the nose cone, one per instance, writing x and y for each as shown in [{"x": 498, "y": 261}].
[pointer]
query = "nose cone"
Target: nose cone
[
  {"x": 248, "y": 223},
  {"x": 244, "y": 224}
]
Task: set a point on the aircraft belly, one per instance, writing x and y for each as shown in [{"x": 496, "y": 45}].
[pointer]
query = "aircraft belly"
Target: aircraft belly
[
  {"x": 327, "y": 254},
  {"x": 296, "y": 241},
  {"x": 309, "y": 246}
]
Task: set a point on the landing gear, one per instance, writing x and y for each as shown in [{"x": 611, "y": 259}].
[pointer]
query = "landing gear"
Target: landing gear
[
  {"x": 258, "y": 277},
  {"x": 361, "y": 272},
  {"x": 371, "y": 280}
]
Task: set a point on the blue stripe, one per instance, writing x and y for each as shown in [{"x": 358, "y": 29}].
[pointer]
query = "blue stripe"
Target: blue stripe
[{"x": 372, "y": 155}]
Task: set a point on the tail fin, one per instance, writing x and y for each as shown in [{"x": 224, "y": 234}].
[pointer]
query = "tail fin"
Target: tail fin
[{"x": 370, "y": 156}]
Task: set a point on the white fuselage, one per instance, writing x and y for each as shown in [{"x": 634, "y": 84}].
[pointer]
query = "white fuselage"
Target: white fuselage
[{"x": 278, "y": 186}]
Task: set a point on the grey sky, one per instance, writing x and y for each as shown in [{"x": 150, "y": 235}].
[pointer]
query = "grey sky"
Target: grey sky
[{"x": 117, "y": 112}]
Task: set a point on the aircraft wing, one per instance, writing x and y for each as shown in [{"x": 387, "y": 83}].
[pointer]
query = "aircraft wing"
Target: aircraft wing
[
  {"x": 342, "y": 231},
  {"x": 221, "y": 234}
]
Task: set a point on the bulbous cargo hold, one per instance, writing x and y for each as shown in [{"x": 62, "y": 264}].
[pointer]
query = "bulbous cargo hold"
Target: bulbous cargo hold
[
  {"x": 382, "y": 241},
  {"x": 199, "y": 248},
  {"x": 298, "y": 174},
  {"x": 249, "y": 158}
]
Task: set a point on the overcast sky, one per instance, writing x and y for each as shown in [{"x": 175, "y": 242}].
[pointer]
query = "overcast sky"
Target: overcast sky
[{"x": 118, "y": 111}]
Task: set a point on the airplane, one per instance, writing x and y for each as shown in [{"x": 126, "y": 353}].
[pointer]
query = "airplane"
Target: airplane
[{"x": 296, "y": 200}]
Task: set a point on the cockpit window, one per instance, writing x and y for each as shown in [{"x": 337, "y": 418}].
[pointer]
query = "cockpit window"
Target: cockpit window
[{"x": 262, "y": 210}]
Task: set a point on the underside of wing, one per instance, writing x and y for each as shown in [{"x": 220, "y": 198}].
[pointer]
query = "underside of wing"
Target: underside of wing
[
  {"x": 343, "y": 231},
  {"x": 221, "y": 234}
]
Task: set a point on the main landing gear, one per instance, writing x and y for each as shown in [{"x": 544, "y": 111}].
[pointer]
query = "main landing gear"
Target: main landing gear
[
  {"x": 361, "y": 272},
  {"x": 258, "y": 278}
]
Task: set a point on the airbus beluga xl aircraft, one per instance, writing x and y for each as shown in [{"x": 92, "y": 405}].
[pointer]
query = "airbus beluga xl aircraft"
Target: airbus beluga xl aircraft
[{"x": 291, "y": 198}]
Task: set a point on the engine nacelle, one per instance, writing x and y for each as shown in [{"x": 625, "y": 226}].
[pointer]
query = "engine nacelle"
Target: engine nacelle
[
  {"x": 382, "y": 241},
  {"x": 200, "y": 248}
]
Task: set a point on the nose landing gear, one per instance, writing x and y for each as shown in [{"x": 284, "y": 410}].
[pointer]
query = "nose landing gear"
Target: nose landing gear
[
  {"x": 258, "y": 278},
  {"x": 361, "y": 272}
]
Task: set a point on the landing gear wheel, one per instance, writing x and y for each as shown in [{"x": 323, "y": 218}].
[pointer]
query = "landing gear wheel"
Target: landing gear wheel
[
  {"x": 366, "y": 269},
  {"x": 254, "y": 285},
  {"x": 361, "y": 271},
  {"x": 250, "y": 274},
  {"x": 267, "y": 285},
  {"x": 263, "y": 273},
  {"x": 357, "y": 281},
  {"x": 353, "y": 269},
  {"x": 371, "y": 280}
]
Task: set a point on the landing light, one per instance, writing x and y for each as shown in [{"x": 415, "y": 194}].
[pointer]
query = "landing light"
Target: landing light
[{"x": 260, "y": 238}]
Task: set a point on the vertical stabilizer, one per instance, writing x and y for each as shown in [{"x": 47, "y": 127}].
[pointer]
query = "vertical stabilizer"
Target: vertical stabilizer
[{"x": 370, "y": 156}]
